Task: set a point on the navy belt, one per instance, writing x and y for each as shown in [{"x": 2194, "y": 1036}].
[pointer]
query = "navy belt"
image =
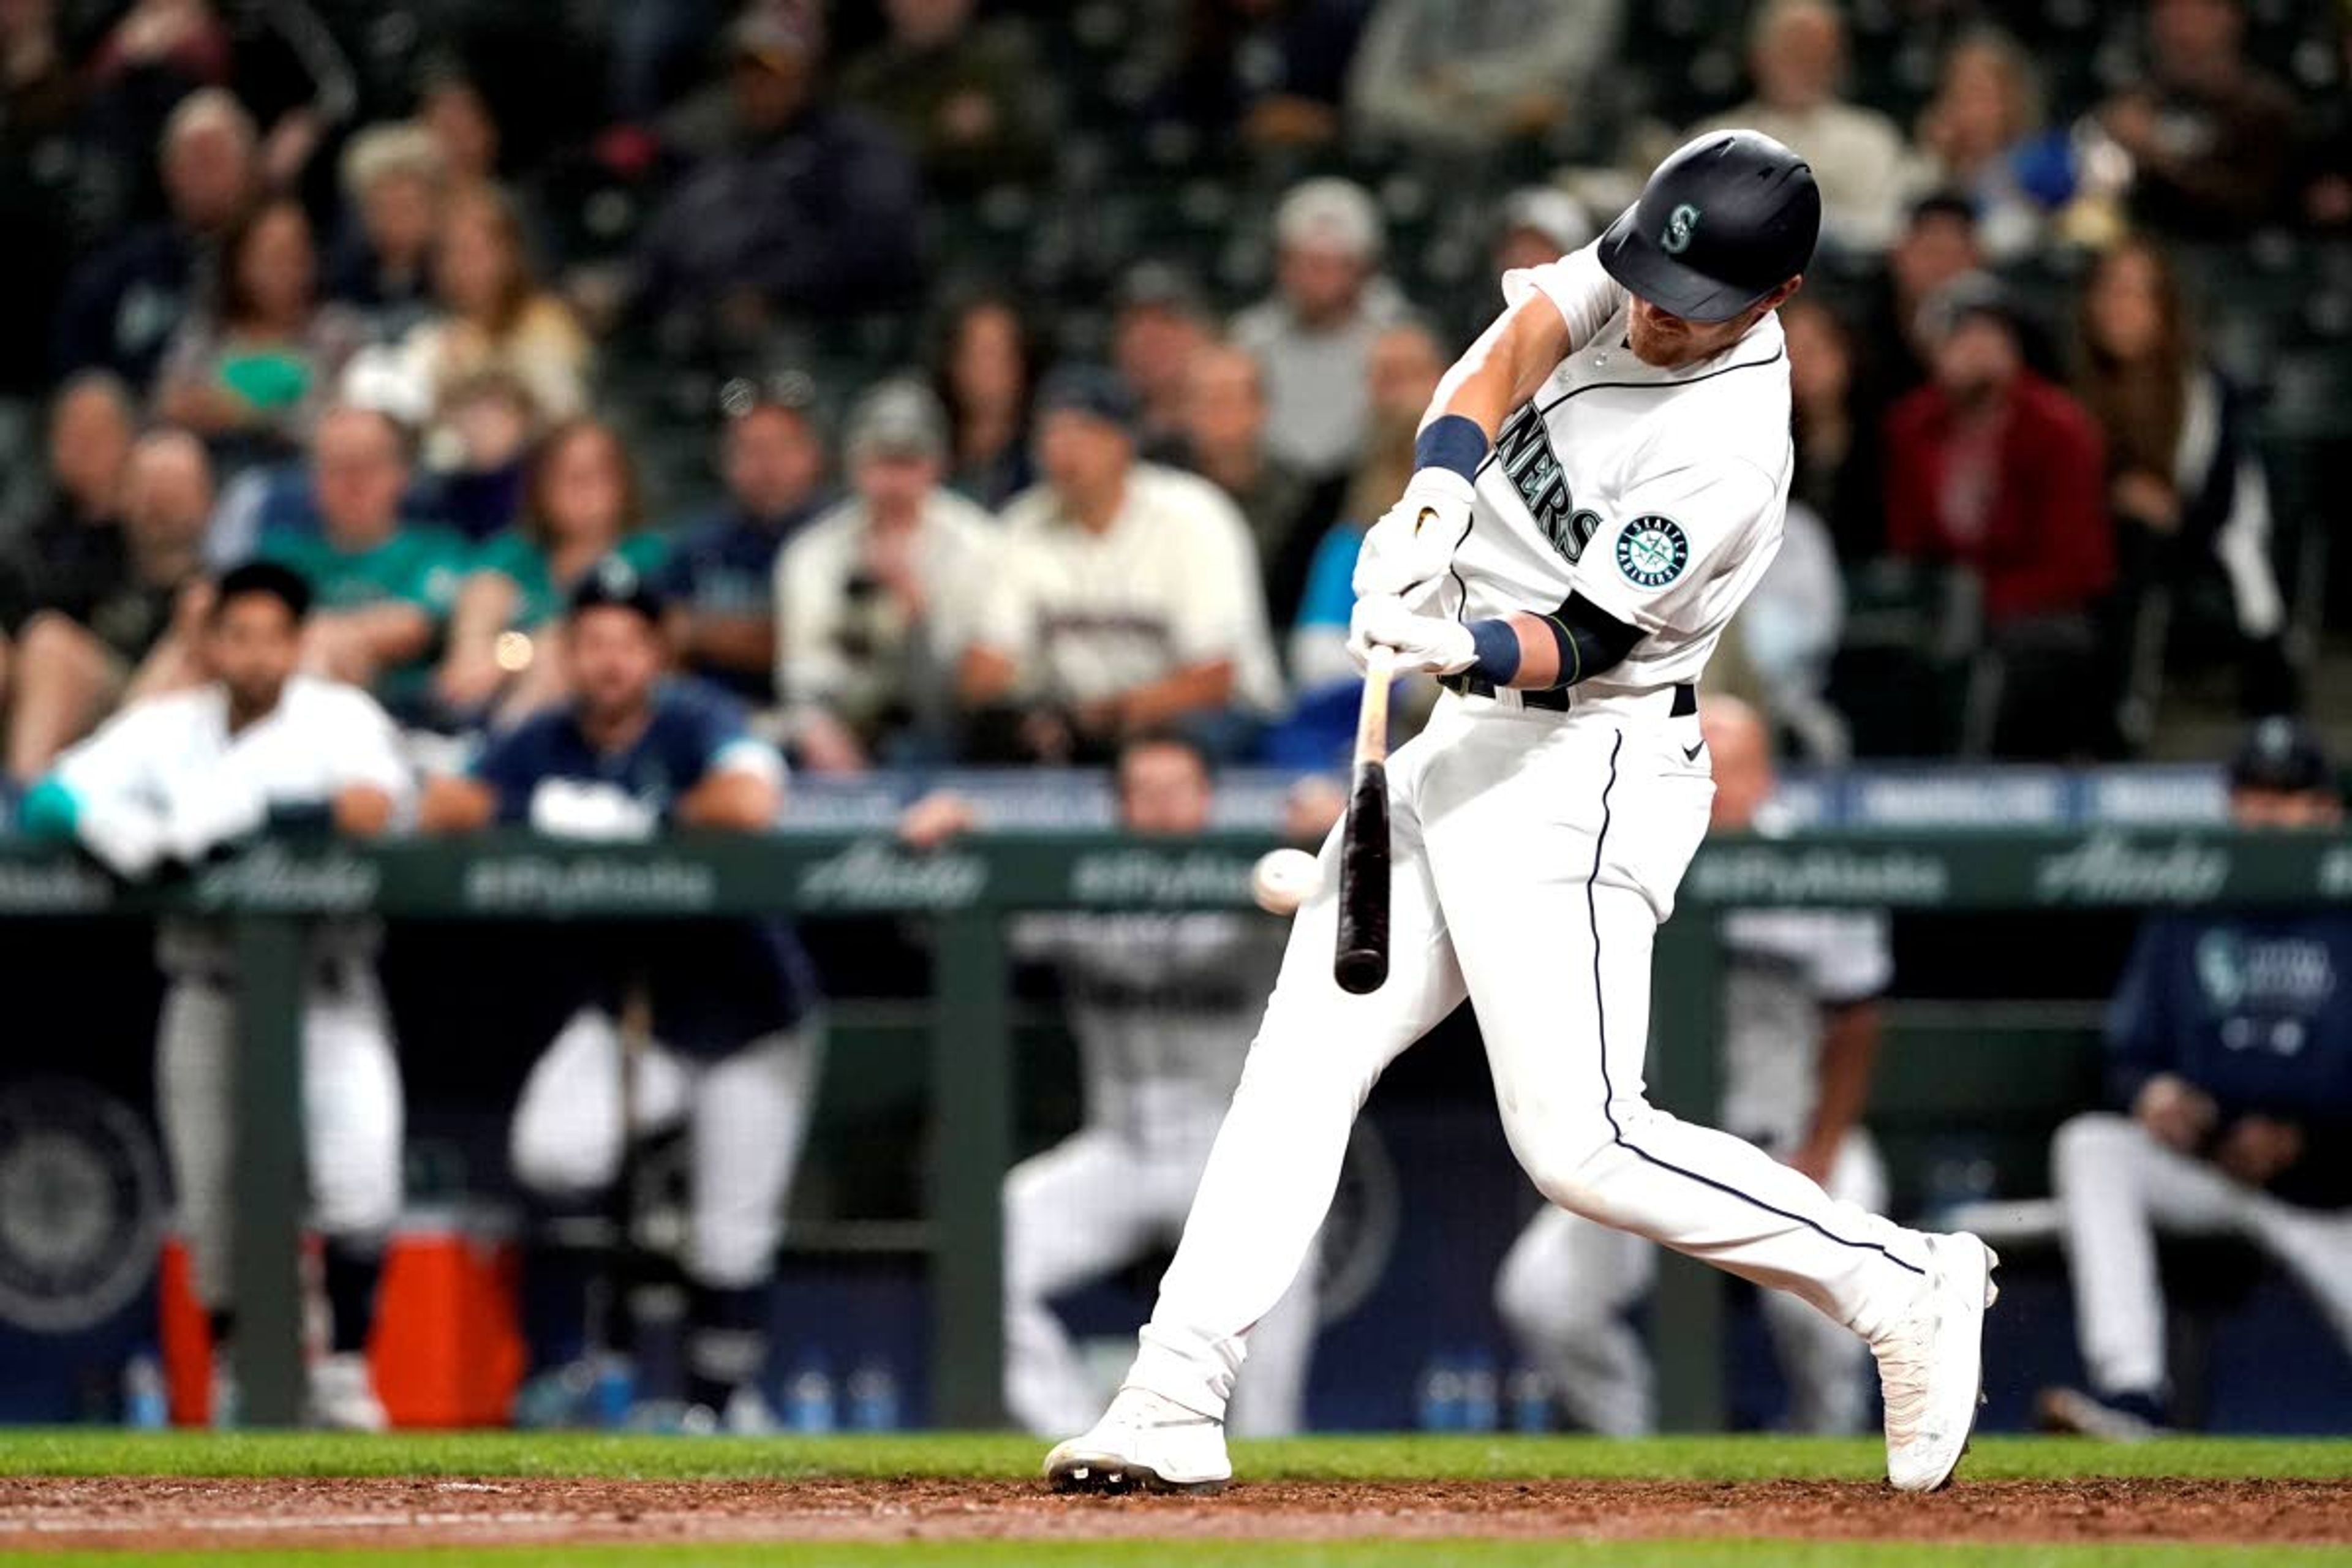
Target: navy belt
[{"x": 1556, "y": 699}]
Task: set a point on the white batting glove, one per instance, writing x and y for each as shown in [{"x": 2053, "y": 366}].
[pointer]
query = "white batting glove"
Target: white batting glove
[
  {"x": 583, "y": 808},
  {"x": 1433, "y": 643},
  {"x": 1413, "y": 543}
]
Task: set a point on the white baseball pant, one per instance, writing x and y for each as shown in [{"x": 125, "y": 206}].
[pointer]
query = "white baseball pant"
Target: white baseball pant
[
  {"x": 745, "y": 1114},
  {"x": 1567, "y": 1284},
  {"x": 2118, "y": 1189},
  {"x": 1096, "y": 1202},
  {"x": 351, "y": 1114},
  {"x": 1533, "y": 856}
]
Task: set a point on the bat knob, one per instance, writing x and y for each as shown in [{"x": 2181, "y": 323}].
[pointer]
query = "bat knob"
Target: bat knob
[{"x": 1361, "y": 971}]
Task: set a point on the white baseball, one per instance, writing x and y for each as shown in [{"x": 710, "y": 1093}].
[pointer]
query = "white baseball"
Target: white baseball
[{"x": 1283, "y": 879}]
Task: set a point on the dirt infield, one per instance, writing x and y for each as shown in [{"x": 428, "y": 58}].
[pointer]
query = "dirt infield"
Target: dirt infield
[{"x": 151, "y": 1513}]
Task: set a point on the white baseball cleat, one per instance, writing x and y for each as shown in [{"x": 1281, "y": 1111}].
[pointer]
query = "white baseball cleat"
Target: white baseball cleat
[
  {"x": 1143, "y": 1443},
  {"x": 342, "y": 1395},
  {"x": 1931, "y": 1365}
]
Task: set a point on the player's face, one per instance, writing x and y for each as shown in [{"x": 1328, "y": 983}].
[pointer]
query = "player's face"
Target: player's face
[
  {"x": 1665, "y": 339},
  {"x": 2284, "y": 808},
  {"x": 616, "y": 656},
  {"x": 252, "y": 645},
  {"x": 358, "y": 475},
  {"x": 1163, "y": 789}
]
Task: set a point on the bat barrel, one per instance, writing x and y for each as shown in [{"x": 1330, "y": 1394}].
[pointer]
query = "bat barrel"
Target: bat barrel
[{"x": 1361, "y": 963}]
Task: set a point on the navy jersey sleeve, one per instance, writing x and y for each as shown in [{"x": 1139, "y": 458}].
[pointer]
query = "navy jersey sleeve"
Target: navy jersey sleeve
[
  {"x": 2142, "y": 1030},
  {"x": 705, "y": 730}
]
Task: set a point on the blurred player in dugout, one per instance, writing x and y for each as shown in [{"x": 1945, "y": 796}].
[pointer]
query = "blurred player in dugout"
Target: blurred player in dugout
[
  {"x": 171, "y": 781},
  {"x": 1163, "y": 1007},
  {"x": 1801, "y": 1033},
  {"x": 2229, "y": 1075},
  {"x": 726, "y": 1011}
]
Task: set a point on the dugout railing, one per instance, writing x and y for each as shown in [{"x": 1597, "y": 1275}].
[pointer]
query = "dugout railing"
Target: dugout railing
[{"x": 271, "y": 891}]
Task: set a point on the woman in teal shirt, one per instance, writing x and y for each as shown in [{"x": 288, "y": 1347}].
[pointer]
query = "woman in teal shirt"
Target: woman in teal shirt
[{"x": 580, "y": 505}]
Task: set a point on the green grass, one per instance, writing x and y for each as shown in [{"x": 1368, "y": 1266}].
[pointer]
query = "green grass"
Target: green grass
[{"x": 87, "y": 1451}]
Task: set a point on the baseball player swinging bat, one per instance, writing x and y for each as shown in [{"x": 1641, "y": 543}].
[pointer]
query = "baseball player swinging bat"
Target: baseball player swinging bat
[
  {"x": 1361, "y": 963},
  {"x": 1608, "y": 469}
]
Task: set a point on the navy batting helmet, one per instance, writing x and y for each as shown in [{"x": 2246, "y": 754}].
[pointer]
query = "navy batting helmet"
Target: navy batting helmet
[{"x": 1727, "y": 219}]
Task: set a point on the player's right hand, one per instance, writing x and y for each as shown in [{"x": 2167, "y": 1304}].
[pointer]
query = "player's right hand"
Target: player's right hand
[{"x": 1413, "y": 543}]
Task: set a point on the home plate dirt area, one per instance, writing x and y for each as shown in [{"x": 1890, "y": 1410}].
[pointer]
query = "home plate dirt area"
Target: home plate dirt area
[{"x": 159, "y": 1513}]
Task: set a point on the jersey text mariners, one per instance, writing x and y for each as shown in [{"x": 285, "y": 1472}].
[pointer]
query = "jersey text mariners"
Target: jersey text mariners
[{"x": 1656, "y": 494}]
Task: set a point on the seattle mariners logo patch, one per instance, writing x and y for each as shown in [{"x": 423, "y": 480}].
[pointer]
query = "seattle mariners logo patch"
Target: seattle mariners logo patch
[
  {"x": 1653, "y": 551},
  {"x": 1679, "y": 223}
]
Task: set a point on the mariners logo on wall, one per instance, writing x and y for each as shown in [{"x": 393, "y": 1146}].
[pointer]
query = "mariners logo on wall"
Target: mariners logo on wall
[
  {"x": 81, "y": 1204},
  {"x": 1653, "y": 551}
]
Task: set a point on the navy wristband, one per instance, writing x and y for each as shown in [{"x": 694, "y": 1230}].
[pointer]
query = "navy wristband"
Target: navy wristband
[
  {"x": 1452, "y": 442},
  {"x": 1497, "y": 643}
]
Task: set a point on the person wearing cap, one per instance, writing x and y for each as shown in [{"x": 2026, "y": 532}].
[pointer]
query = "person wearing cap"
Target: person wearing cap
[
  {"x": 1998, "y": 472},
  {"x": 169, "y": 783},
  {"x": 1601, "y": 482},
  {"x": 722, "y": 582},
  {"x": 875, "y": 599},
  {"x": 1455, "y": 76},
  {"x": 806, "y": 211},
  {"x": 2229, "y": 1107},
  {"x": 383, "y": 586},
  {"x": 1797, "y": 57},
  {"x": 729, "y": 1007},
  {"x": 1313, "y": 336},
  {"x": 1125, "y": 598},
  {"x": 1161, "y": 323}
]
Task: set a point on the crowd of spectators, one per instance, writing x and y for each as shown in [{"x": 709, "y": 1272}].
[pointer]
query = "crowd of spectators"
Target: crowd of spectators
[{"x": 275, "y": 297}]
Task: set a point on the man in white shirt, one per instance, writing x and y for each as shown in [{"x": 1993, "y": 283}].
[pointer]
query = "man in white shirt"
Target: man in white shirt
[
  {"x": 176, "y": 779},
  {"x": 1126, "y": 598},
  {"x": 1796, "y": 53},
  {"x": 1313, "y": 337},
  {"x": 875, "y": 597}
]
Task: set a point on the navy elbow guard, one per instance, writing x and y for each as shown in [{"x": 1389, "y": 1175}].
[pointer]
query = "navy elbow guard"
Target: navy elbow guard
[{"x": 1590, "y": 640}]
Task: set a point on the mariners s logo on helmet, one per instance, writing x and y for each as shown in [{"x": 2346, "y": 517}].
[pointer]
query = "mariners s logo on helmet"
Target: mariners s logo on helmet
[
  {"x": 1653, "y": 551},
  {"x": 1679, "y": 223}
]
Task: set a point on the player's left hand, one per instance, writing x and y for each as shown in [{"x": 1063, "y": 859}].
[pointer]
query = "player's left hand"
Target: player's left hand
[{"x": 1433, "y": 643}]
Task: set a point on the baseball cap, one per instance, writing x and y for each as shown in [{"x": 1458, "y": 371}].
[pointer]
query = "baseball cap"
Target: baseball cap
[
  {"x": 1728, "y": 217},
  {"x": 776, "y": 33},
  {"x": 2282, "y": 757},
  {"x": 1549, "y": 211},
  {"x": 897, "y": 418},
  {"x": 614, "y": 584},
  {"x": 1089, "y": 389},
  {"x": 1970, "y": 296},
  {"x": 1329, "y": 213},
  {"x": 1159, "y": 285}
]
